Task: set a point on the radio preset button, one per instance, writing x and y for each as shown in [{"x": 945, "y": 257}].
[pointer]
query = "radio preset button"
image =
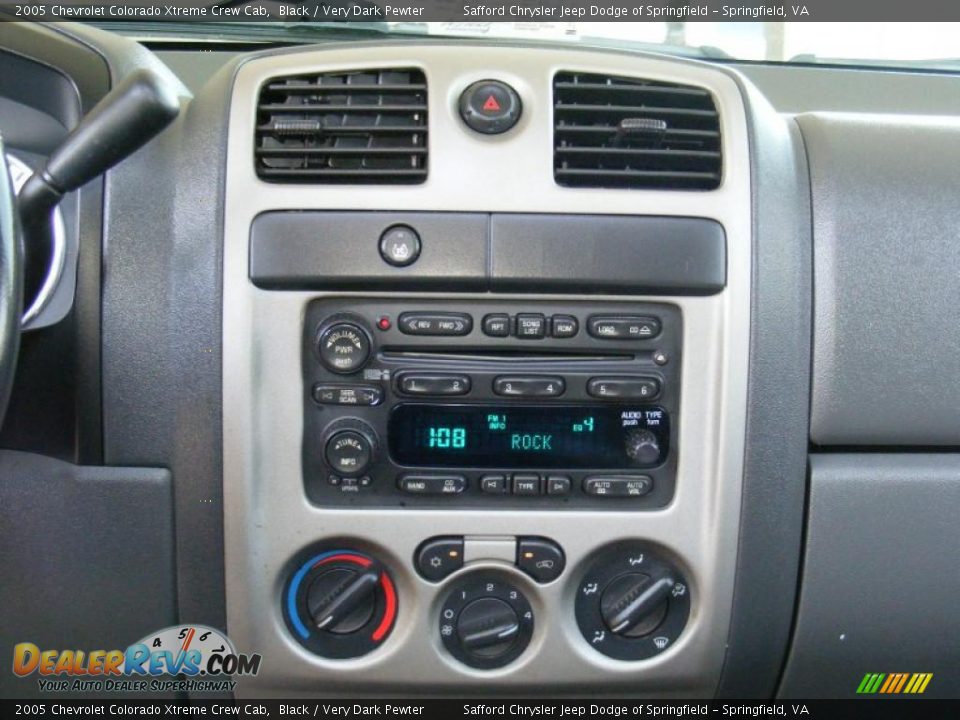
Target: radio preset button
[
  {"x": 617, "y": 486},
  {"x": 529, "y": 386},
  {"x": 558, "y": 485},
  {"x": 434, "y": 384},
  {"x": 531, "y": 326},
  {"x": 563, "y": 326},
  {"x": 366, "y": 395},
  {"x": 496, "y": 325},
  {"x": 430, "y": 323},
  {"x": 493, "y": 484},
  {"x": 540, "y": 558},
  {"x": 623, "y": 388},
  {"x": 526, "y": 484},
  {"x": 433, "y": 484},
  {"x": 623, "y": 327}
]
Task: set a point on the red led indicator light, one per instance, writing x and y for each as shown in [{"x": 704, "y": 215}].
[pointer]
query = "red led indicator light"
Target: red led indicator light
[{"x": 383, "y": 323}]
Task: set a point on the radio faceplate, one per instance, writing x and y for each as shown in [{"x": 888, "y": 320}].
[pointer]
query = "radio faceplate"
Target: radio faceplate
[{"x": 490, "y": 403}]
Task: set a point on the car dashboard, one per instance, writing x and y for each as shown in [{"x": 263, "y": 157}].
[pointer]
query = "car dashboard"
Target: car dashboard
[{"x": 485, "y": 368}]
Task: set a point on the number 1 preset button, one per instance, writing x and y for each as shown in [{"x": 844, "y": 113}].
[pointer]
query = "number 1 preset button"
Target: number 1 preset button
[{"x": 433, "y": 384}]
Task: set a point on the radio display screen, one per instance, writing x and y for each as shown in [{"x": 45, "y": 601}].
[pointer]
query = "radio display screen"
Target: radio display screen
[{"x": 526, "y": 436}]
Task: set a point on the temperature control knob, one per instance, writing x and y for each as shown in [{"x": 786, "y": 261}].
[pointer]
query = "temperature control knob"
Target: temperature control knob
[
  {"x": 344, "y": 347},
  {"x": 643, "y": 447},
  {"x": 349, "y": 447},
  {"x": 340, "y": 603}
]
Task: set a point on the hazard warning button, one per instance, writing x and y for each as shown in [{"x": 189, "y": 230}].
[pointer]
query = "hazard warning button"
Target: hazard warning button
[{"x": 490, "y": 107}]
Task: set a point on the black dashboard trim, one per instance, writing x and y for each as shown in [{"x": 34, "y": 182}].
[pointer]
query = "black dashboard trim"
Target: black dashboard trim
[{"x": 778, "y": 405}]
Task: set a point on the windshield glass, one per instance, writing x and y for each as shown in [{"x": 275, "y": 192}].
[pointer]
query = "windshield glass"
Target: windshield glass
[
  {"x": 912, "y": 45},
  {"x": 922, "y": 44}
]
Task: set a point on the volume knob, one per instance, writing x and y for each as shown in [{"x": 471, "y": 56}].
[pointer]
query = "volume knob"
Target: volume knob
[{"x": 344, "y": 347}]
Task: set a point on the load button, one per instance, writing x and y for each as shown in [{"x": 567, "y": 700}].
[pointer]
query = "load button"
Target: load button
[{"x": 622, "y": 327}]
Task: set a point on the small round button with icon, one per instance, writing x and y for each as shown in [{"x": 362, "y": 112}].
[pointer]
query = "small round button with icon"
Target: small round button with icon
[
  {"x": 400, "y": 245},
  {"x": 490, "y": 107}
]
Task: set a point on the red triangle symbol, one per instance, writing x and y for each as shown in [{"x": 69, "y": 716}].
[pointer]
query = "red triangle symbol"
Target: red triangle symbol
[{"x": 491, "y": 105}]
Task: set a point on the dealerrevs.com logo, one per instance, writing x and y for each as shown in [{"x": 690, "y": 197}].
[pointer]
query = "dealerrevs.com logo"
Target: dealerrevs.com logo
[{"x": 202, "y": 657}]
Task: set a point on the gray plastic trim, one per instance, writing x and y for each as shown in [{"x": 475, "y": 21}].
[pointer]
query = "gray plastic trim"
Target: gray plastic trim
[
  {"x": 267, "y": 518},
  {"x": 880, "y": 579},
  {"x": 887, "y": 351},
  {"x": 86, "y": 556}
]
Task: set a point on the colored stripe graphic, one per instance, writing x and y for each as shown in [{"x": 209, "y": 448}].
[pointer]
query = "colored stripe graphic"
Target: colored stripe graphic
[{"x": 894, "y": 683}]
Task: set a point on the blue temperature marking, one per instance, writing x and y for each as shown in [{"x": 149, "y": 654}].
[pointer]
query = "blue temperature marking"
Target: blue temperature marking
[{"x": 295, "y": 584}]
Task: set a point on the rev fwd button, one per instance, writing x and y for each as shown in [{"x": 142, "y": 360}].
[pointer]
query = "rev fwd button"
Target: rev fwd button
[{"x": 490, "y": 107}]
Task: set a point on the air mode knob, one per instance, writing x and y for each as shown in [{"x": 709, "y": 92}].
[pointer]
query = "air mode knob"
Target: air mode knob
[{"x": 632, "y": 604}]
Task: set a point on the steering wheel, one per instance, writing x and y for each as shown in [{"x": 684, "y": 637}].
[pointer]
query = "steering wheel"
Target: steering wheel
[{"x": 11, "y": 284}]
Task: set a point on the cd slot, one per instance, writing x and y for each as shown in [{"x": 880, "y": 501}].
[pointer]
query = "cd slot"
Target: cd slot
[{"x": 504, "y": 356}]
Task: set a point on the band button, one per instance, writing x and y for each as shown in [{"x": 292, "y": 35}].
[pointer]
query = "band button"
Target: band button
[{"x": 432, "y": 484}]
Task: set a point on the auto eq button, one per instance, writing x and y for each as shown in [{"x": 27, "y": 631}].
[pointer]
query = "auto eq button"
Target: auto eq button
[{"x": 617, "y": 486}]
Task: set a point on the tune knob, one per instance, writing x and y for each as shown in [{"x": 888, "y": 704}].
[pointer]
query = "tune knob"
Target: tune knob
[
  {"x": 344, "y": 347},
  {"x": 643, "y": 447},
  {"x": 350, "y": 446}
]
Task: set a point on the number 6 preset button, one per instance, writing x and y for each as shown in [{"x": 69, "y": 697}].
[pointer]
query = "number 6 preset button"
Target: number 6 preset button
[
  {"x": 433, "y": 384},
  {"x": 529, "y": 386}
]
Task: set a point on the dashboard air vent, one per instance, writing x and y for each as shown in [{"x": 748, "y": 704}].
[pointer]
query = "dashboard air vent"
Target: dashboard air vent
[
  {"x": 617, "y": 132},
  {"x": 366, "y": 127}
]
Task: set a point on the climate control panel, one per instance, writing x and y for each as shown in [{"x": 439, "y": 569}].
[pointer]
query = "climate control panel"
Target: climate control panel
[{"x": 490, "y": 403}]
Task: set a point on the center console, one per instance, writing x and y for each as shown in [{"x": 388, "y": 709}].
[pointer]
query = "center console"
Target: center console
[
  {"x": 481, "y": 422},
  {"x": 529, "y": 404}
]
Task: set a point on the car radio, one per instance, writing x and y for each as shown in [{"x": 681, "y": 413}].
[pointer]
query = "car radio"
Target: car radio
[{"x": 490, "y": 403}]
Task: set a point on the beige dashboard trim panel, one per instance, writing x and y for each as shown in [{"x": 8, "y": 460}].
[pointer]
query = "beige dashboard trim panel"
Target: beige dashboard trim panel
[{"x": 267, "y": 517}]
